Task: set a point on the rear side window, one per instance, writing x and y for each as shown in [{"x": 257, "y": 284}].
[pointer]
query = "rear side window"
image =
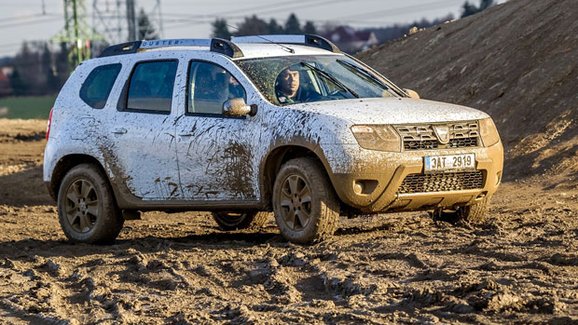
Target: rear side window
[
  {"x": 151, "y": 86},
  {"x": 97, "y": 86}
]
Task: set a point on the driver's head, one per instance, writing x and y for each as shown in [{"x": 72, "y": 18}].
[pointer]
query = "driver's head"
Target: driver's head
[{"x": 288, "y": 81}]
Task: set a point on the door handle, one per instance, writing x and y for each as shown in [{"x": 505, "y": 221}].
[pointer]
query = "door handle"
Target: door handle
[{"x": 119, "y": 131}]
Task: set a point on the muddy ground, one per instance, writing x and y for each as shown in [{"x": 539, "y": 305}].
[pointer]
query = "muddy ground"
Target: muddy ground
[{"x": 522, "y": 266}]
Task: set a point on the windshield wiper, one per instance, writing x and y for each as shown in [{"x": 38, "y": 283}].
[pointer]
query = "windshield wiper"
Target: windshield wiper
[
  {"x": 352, "y": 67},
  {"x": 330, "y": 77}
]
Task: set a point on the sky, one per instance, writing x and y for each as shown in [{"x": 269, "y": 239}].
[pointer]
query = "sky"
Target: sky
[{"x": 33, "y": 20}]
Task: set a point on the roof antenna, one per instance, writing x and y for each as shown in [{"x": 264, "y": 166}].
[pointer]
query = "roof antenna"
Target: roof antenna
[{"x": 286, "y": 48}]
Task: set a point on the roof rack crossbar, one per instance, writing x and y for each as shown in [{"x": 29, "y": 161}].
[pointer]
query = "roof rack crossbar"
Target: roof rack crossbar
[
  {"x": 216, "y": 45},
  {"x": 303, "y": 39}
]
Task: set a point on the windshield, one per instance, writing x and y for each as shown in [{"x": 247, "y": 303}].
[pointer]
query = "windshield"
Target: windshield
[{"x": 302, "y": 79}]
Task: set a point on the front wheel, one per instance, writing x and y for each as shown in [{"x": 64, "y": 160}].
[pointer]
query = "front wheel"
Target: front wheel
[
  {"x": 305, "y": 205},
  {"x": 87, "y": 211},
  {"x": 475, "y": 213},
  {"x": 240, "y": 220}
]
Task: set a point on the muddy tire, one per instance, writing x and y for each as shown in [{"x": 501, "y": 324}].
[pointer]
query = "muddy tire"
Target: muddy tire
[
  {"x": 87, "y": 210},
  {"x": 243, "y": 220},
  {"x": 305, "y": 205},
  {"x": 473, "y": 214}
]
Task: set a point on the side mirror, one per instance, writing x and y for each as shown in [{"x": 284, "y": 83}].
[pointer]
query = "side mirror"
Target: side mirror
[
  {"x": 238, "y": 108},
  {"x": 411, "y": 93}
]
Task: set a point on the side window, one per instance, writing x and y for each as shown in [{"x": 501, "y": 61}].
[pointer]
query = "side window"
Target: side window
[
  {"x": 151, "y": 86},
  {"x": 209, "y": 87},
  {"x": 97, "y": 86}
]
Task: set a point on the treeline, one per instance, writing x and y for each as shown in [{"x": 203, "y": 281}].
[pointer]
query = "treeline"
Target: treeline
[
  {"x": 256, "y": 26},
  {"x": 38, "y": 69},
  {"x": 469, "y": 9},
  {"x": 42, "y": 68},
  {"x": 396, "y": 31}
]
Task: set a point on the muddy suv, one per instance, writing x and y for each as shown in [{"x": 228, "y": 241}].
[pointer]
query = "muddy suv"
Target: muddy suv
[{"x": 284, "y": 123}]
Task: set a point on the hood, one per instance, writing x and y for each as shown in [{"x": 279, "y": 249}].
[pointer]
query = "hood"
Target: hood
[{"x": 392, "y": 110}]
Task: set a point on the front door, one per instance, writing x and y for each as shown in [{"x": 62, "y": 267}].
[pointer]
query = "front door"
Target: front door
[{"x": 216, "y": 154}]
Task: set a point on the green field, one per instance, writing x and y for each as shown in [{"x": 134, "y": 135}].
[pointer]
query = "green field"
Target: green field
[{"x": 32, "y": 107}]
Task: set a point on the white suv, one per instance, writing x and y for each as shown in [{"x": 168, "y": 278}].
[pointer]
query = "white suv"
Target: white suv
[{"x": 283, "y": 123}]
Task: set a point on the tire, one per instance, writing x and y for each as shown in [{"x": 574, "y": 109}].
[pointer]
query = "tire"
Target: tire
[
  {"x": 473, "y": 214},
  {"x": 305, "y": 205},
  {"x": 87, "y": 210},
  {"x": 241, "y": 220}
]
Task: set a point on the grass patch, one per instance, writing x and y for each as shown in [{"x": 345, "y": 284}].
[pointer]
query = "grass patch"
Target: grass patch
[{"x": 31, "y": 107}]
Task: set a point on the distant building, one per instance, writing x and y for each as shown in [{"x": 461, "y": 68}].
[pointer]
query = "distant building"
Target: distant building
[
  {"x": 5, "y": 85},
  {"x": 350, "y": 40}
]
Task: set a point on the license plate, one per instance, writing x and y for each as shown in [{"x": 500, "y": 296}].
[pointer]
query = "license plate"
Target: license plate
[{"x": 449, "y": 163}]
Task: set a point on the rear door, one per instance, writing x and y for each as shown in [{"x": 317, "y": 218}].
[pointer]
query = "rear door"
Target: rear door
[{"x": 142, "y": 132}]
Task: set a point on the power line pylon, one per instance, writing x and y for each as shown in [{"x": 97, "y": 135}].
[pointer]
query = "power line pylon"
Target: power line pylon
[
  {"x": 109, "y": 18},
  {"x": 117, "y": 20},
  {"x": 77, "y": 34}
]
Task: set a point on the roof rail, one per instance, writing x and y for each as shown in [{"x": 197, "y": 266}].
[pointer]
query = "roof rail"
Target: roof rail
[
  {"x": 118, "y": 49},
  {"x": 306, "y": 39},
  {"x": 216, "y": 45},
  {"x": 153, "y": 44},
  {"x": 228, "y": 48}
]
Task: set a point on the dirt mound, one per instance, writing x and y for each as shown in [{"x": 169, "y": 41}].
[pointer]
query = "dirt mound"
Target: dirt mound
[{"x": 518, "y": 62}]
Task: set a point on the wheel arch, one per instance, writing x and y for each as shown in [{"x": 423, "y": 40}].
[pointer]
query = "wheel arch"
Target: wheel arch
[
  {"x": 65, "y": 164},
  {"x": 278, "y": 156}
]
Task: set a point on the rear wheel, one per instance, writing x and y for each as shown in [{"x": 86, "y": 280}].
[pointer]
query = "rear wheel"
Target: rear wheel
[
  {"x": 241, "y": 220},
  {"x": 87, "y": 211},
  {"x": 306, "y": 208}
]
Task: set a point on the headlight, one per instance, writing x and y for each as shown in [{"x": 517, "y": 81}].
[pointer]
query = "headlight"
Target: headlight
[
  {"x": 377, "y": 137},
  {"x": 489, "y": 132}
]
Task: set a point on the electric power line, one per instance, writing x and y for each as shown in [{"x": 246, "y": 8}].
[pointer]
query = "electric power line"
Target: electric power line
[
  {"x": 200, "y": 19},
  {"x": 276, "y": 8},
  {"x": 43, "y": 21},
  {"x": 394, "y": 11},
  {"x": 26, "y": 17}
]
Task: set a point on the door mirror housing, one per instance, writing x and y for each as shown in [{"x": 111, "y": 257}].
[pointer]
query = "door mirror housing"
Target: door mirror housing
[
  {"x": 238, "y": 108},
  {"x": 411, "y": 93}
]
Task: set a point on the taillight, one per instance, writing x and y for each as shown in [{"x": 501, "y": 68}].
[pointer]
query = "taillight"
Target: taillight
[{"x": 48, "y": 123}]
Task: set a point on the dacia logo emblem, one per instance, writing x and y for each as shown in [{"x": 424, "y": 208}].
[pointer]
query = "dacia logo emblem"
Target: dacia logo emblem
[{"x": 443, "y": 133}]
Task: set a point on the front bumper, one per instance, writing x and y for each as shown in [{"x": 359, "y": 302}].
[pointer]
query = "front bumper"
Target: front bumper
[{"x": 370, "y": 180}]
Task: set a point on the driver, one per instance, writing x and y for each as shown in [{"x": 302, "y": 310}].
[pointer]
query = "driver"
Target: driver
[{"x": 288, "y": 87}]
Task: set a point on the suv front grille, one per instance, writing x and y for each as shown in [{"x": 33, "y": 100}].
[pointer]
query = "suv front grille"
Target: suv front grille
[
  {"x": 426, "y": 183},
  {"x": 423, "y": 137}
]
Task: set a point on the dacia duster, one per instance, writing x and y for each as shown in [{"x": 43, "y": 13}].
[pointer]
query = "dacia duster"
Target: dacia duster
[{"x": 284, "y": 123}]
